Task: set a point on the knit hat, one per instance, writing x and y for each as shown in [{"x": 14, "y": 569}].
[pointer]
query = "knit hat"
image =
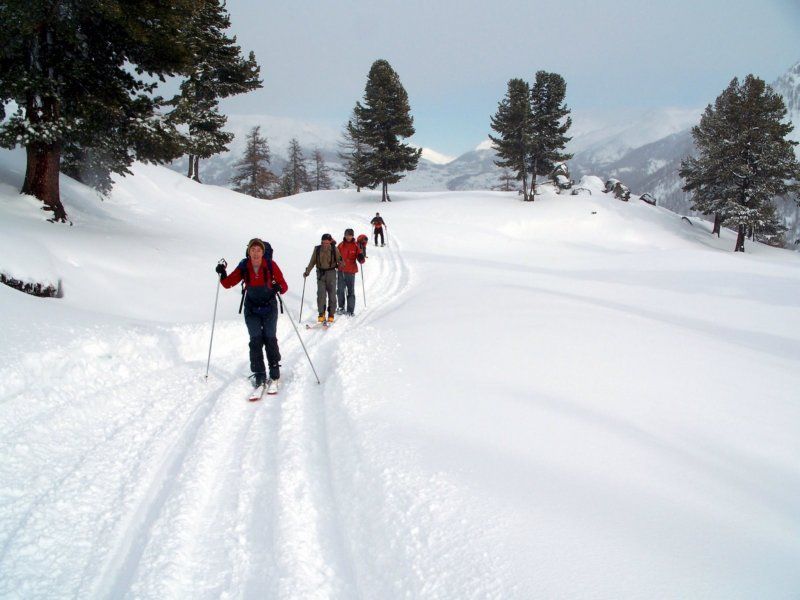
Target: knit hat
[
  {"x": 256, "y": 242},
  {"x": 327, "y": 236},
  {"x": 349, "y": 232}
]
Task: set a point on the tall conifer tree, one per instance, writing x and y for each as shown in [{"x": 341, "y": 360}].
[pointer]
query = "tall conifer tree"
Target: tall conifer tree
[
  {"x": 320, "y": 174},
  {"x": 296, "y": 172},
  {"x": 253, "y": 176},
  {"x": 218, "y": 70},
  {"x": 744, "y": 158},
  {"x": 386, "y": 118},
  {"x": 551, "y": 121},
  {"x": 513, "y": 123},
  {"x": 67, "y": 66}
]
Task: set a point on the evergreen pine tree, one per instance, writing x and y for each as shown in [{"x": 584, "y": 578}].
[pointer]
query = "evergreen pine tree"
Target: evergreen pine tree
[
  {"x": 385, "y": 118},
  {"x": 295, "y": 170},
  {"x": 253, "y": 176},
  {"x": 744, "y": 158},
  {"x": 320, "y": 177},
  {"x": 354, "y": 153},
  {"x": 75, "y": 70},
  {"x": 551, "y": 121},
  {"x": 513, "y": 123},
  {"x": 218, "y": 71}
]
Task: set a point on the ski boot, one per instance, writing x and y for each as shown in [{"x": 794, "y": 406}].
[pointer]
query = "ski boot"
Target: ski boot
[{"x": 258, "y": 379}]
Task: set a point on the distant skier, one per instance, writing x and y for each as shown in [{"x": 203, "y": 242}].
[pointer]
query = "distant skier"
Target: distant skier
[
  {"x": 263, "y": 280},
  {"x": 326, "y": 259},
  {"x": 346, "y": 279},
  {"x": 378, "y": 224}
]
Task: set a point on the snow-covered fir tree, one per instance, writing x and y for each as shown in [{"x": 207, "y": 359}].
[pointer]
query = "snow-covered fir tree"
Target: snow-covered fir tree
[
  {"x": 513, "y": 123},
  {"x": 253, "y": 176},
  {"x": 218, "y": 70},
  {"x": 77, "y": 76},
  {"x": 385, "y": 118},
  {"x": 744, "y": 159}
]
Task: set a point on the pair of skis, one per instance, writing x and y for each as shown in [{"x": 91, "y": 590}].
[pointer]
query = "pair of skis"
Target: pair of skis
[
  {"x": 323, "y": 325},
  {"x": 270, "y": 389}
]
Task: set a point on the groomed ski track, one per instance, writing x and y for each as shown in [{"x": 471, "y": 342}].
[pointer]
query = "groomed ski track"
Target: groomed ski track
[{"x": 221, "y": 497}]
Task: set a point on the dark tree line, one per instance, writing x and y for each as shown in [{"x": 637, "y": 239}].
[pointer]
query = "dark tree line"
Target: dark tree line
[
  {"x": 744, "y": 160},
  {"x": 372, "y": 151},
  {"x": 531, "y": 125},
  {"x": 84, "y": 75}
]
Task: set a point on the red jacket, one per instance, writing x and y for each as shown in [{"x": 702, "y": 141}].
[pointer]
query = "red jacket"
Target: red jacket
[
  {"x": 256, "y": 281},
  {"x": 351, "y": 256}
]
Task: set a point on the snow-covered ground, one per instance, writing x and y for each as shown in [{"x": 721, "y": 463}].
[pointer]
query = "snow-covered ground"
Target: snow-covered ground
[{"x": 575, "y": 398}]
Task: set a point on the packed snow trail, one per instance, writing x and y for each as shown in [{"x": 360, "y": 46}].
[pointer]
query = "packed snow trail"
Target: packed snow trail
[{"x": 242, "y": 501}]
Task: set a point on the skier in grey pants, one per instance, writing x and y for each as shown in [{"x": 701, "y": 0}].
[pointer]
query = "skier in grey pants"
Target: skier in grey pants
[{"x": 326, "y": 258}]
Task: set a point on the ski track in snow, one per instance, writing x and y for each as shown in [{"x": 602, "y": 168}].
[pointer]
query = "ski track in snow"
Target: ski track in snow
[{"x": 220, "y": 497}]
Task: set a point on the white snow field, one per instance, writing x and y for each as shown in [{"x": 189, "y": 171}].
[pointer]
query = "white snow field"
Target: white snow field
[{"x": 575, "y": 398}]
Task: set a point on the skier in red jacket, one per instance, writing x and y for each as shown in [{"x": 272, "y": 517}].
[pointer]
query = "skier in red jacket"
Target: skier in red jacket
[
  {"x": 263, "y": 280},
  {"x": 346, "y": 280}
]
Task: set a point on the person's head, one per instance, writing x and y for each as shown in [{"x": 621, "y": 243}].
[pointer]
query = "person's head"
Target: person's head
[
  {"x": 255, "y": 249},
  {"x": 348, "y": 234},
  {"x": 327, "y": 238},
  {"x": 377, "y": 214}
]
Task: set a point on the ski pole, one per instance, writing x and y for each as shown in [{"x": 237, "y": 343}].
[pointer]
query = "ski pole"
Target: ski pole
[
  {"x": 288, "y": 314},
  {"x": 386, "y": 227},
  {"x": 363, "y": 289},
  {"x": 302, "y": 299},
  {"x": 222, "y": 262}
]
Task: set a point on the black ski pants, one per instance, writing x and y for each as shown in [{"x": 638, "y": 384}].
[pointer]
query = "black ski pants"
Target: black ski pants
[
  {"x": 379, "y": 232},
  {"x": 262, "y": 330}
]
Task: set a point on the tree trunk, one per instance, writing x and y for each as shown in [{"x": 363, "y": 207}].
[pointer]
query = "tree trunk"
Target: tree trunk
[
  {"x": 44, "y": 160},
  {"x": 533, "y": 180},
  {"x": 383, "y": 191},
  {"x": 41, "y": 177},
  {"x": 740, "y": 239},
  {"x": 524, "y": 186},
  {"x": 190, "y": 172},
  {"x": 196, "y": 169},
  {"x": 717, "y": 224}
]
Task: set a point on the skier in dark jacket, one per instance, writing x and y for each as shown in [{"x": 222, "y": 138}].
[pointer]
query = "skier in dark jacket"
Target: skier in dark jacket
[
  {"x": 378, "y": 224},
  {"x": 263, "y": 281},
  {"x": 346, "y": 279},
  {"x": 326, "y": 259}
]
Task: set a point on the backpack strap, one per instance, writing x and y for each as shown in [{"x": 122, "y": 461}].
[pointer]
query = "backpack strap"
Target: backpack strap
[{"x": 244, "y": 267}]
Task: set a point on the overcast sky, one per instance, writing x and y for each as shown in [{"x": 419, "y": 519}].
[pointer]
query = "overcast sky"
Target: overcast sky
[{"x": 456, "y": 57}]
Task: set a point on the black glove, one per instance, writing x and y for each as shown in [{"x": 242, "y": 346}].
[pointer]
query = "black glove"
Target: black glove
[
  {"x": 221, "y": 271},
  {"x": 276, "y": 286}
]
